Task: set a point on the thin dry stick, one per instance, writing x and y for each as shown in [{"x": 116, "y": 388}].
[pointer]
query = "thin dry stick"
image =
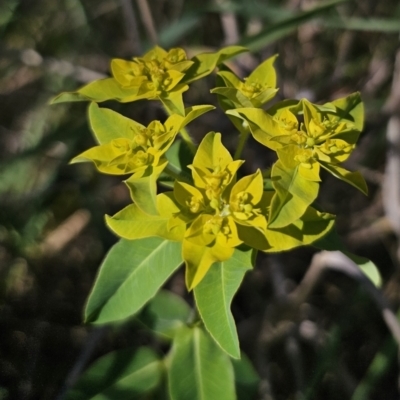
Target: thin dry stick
[
  {"x": 131, "y": 27},
  {"x": 391, "y": 183},
  {"x": 229, "y": 23},
  {"x": 147, "y": 20},
  {"x": 335, "y": 260}
]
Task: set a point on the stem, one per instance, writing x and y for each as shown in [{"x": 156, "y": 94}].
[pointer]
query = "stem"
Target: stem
[
  {"x": 183, "y": 132},
  {"x": 188, "y": 140},
  {"x": 242, "y": 141},
  {"x": 176, "y": 174}
]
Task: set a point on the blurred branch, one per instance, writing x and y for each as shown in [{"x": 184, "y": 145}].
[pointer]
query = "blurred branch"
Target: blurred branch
[
  {"x": 95, "y": 336},
  {"x": 65, "y": 232},
  {"x": 229, "y": 23},
  {"x": 391, "y": 184},
  {"x": 131, "y": 27},
  {"x": 147, "y": 20},
  {"x": 337, "y": 261}
]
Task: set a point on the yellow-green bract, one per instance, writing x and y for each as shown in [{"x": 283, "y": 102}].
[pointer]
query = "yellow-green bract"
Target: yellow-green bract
[{"x": 217, "y": 213}]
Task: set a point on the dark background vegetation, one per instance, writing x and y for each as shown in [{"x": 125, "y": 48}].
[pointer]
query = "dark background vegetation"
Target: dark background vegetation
[{"x": 335, "y": 344}]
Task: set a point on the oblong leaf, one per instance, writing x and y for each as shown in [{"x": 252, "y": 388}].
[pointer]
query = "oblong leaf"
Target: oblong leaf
[
  {"x": 199, "y": 369},
  {"x": 353, "y": 178},
  {"x": 123, "y": 374},
  {"x": 131, "y": 274},
  {"x": 214, "y": 295},
  {"x": 165, "y": 314},
  {"x": 98, "y": 91},
  {"x": 108, "y": 125},
  {"x": 294, "y": 194}
]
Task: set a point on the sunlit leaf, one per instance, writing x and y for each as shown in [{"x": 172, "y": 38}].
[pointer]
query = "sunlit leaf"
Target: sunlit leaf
[
  {"x": 143, "y": 189},
  {"x": 98, "y": 91},
  {"x": 130, "y": 275},
  {"x": 294, "y": 194},
  {"x": 108, "y": 125},
  {"x": 205, "y": 63},
  {"x": 214, "y": 296},
  {"x": 199, "y": 369},
  {"x": 353, "y": 178},
  {"x": 310, "y": 227}
]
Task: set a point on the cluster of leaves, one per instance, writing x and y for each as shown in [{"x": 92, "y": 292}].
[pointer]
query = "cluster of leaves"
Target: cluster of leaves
[{"x": 212, "y": 220}]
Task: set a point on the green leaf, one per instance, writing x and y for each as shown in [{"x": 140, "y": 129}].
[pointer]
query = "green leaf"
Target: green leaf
[
  {"x": 98, "y": 91},
  {"x": 108, "y": 125},
  {"x": 353, "y": 178},
  {"x": 165, "y": 314},
  {"x": 214, "y": 296},
  {"x": 173, "y": 102},
  {"x": 199, "y": 369},
  {"x": 176, "y": 30},
  {"x": 132, "y": 223},
  {"x": 310, "y": 227},
  {"x": 131, "y": 274},
  {"x": 286, "y": 27},
  {"x": 123, "y": 374},
  {"x": 350, "y": 108},
  {"x": 388, "y": 25},
  {"x": 332, "y": 242},
  {"x": 294, "y": 194},
  {"x": 205, "y": 63},
  {"x": 143, "y": 189},
  {"x": 262, "y": 126},
  {"x": 246, "y": 378}
]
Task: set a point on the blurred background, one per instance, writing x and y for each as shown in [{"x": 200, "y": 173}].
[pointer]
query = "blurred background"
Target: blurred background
[{"x": 332, "y": 342}]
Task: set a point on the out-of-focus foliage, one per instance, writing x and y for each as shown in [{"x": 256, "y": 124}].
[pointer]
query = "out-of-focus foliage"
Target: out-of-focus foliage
[{"x": 52, "y": 234}]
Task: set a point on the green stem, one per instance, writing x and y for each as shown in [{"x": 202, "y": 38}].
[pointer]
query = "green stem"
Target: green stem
[
  {"x": 188, "y": 140},
  {"x": 176, "y": 174},
  {"x": 183, "y": 132},
  {"x": 242, "y": 141}
]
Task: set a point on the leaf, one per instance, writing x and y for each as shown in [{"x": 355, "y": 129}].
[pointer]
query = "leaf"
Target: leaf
[
  {"x": 205, "y": 63},
  {"x": 165, "y": 314},
  {"x": 173, "y": 102},
  {"x": 132, "y": 223},
  {"x": 199, "y": 369},
  {"x": 179, "y": 157},
  {"x": 350, "y": 108},
  {"x": 108, "y": 125},
  {"x": 310, "y": 227},
  {"x": 98, "y": 91},
  {"x": 353, "y": 178},
  {"x": 332, "y": 241},
  {"x": 199, "y": 258},
  {"x": 130, "y": 275},
  {"x": 285, "y": 27},
  {"x": 143, "y": 189},
  {"x": 177, "y": 29},
  {"x": 214, "y": 296},
  {"x": 388, "y": 25},
  {"x": 123, "y": 374},
  {"x": 265, "y": 73},
  {"x": 294, "y": 194},
  {"x": 246, "y": 378},
  {"x": 262, "y": 126}
]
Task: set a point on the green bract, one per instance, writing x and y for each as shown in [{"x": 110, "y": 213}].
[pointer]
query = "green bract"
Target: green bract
[
  {"x": 325, "y": 139},
  {"x": 217, "y": 214},
  {"x": 158, "y": 75},
  {"x": 253, "y": 91}
]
